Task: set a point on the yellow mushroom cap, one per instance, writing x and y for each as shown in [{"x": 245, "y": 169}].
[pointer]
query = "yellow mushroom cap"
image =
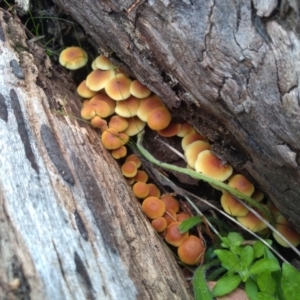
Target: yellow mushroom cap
[
  {"x": 118, "y": 88},
  {"x": 99, "y": 108},
  {"x": 242, "y": 184},
  {"x": 135, "y": 125},
  {"x": 190, "y": 138},
  {"x": 159, "y": 118},
  {"x": 141, "y": 176},
  {"x": 73, "y": 58},
  {"x": 128, "y": 108},
  {"x": 139, "y": 90},
  {"x": 153, "y": 208},
  {"x": 112, "y": 139},
  {"x": 84, "y": 91},
  {"x": 103, "y": 63},
  {"x": 287, "y": 230},
  {"x": 252, "y": 222},
  {"x": 185, "y": 129},
  {"x": 212, "y": 166},
  {"x": 173, "y": 236},
  {"x": 191, "y": 250},
  {"x": 232, "y": 206},
  {"x": 97, "y": 79},
  {"x": 102, "y": 97},
  {"x": 192, "y": 150}
]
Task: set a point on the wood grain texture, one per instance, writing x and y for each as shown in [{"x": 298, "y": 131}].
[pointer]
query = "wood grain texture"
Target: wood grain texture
[
  {"x": 70, "y": 227},
  {"x": 218, "y": 64}
]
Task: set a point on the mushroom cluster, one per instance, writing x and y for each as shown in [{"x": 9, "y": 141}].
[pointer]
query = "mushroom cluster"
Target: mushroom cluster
[{"x": 121, "y": 107}]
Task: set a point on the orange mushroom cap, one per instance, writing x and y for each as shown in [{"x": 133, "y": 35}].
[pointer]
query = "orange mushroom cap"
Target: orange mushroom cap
[
  {"x": 192, "y": 150},
  {"x": 73, "y": 58},
  {"x": 128, "y": 108},
  {"x": 112, "y": 139},
  {"x": 173, "y": 236},
  {"x": 134, "y": 158},
  {"x": 147, "y": 105},
  {"x": 98, "y": 122},
  {"x": 98, "y": 79},
  {"x": 242, "y": 184},
  {"x": 212, "y": 166},
  {"x": 99, "y": 108},
  {"x": 159, "y": 224},
  {"x": 153, "y": 207},
  {"x": 159, "y": 118},
  {"x": 140, "y": 189},
  {"x": 103, "y": 97},
  {"x": 153, "y": 190},
  {"x": 84, "y": 91},
  {"x": 170, "y": 216},
  {"x": 139, "y": 90},
  {"x": 170, "y": 131},
  {"x": 118, "y": 123},
  {"x": 118, "y": 88},
  {"x": 129, "y": 169},
  {"x": 182, "y": 216},
  {"x": 191, "y": 250},
  {"x": 170, "y": 202},
  {"x": 232, "y": 206},
  {"x": 141, "y": 176},
  {"x": 119, "y": 153}
]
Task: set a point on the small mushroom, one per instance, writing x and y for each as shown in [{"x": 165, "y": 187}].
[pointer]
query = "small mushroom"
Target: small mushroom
[
  {"x": 153, "y": 190},
  {"x": 153, "y": 208},
  {"x": 185, "y": 129},
  {"x": 134, "y": 158},
  {"x": 139, "y": 90},
  {"x": 119, "y": 153},
  {"x": 173, "y": 236},
  {"x": 84, "y": 91},
  {"x": 192, "y": 150},
  {"x": 170, "y": 131},
  {"x": 103, "y": 63},
  {"x": 97, "y": 79},
  {"x": 98, "y": 122},
  {"x": 141, "y": 176},
  {"x": 135, "y": 125},
  {"x": 147, "y": 105},
  {"x": 118, "y": 123},
  {"x": 232, "y": 206},
  {"x": 170, "y": 202},
  {"x": 128, "y": 108},
  {"x": 212, "y": 166},
  {"x": 170, "y": 216},
  {"x": 159, "y": 224},
  {"x": 129, "y": 169},
  {"x": 252, "y": 222},
  {"x": 141, "y": 190},
  {"x": 190, "y": 138},
  {"x": 159, "y": 118},
  {"x": 118, "y": 88},
  {"x": 191, "y": 250},
  {"x": 112, "y": 139},
  {"x": 73, "y": 58},
  {"x": 242, "y": 184}
]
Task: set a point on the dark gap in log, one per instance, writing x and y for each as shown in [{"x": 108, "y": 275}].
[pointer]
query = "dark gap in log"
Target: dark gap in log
[
  {"x": 84, "y": 275},
  {"x": 3, "y": 108},
  {"x": 22, "y": 129},
  {"x": 55, "y": 154},
  {"x": 16, "y": 69},
  {"x": 80, "y": 226}
]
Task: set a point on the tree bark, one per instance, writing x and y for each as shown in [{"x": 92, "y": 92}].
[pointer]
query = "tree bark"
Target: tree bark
[
  {"x": 70, "y": 225},
  {"x": 230, "y": 68}
]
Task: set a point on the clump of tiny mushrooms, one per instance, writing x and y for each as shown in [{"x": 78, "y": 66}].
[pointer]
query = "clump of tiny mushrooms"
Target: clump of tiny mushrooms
[{"x": 121, "y": 107}]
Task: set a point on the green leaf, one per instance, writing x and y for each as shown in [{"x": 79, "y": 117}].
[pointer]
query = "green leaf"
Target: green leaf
[
  {"x": 225, "y": 242},
  {"x": 277, "y": 277},
  {"x": 290, "y": 282},
  {"x": 201, "y": 290},
  {"x": 263, "y": 265},
  {"x": 247, "y": 256},
  {"x": 263, "y": 296},
  {"x": 259, "y": 248},
  {"x": 189, "y": 223},
  {"x": 235, "y": 238},
  {"x": 270, "y": 255},
  {"x": 226, "y": 285},
  {"x": 251, "y": 289},
  {"x": 266, "y": 283},
  {"x": 228, "y": 259}
]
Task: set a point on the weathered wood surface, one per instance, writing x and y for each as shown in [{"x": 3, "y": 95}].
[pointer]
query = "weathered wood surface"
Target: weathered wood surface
[
  {"x": 221, "y": 66},
  {"x": 70, "y": 227}
]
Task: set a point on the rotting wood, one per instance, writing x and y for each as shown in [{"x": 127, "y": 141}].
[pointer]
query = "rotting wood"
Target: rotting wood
[
  {"x": 218, "y": 64},
  {"x": 70, "y": 226}
]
